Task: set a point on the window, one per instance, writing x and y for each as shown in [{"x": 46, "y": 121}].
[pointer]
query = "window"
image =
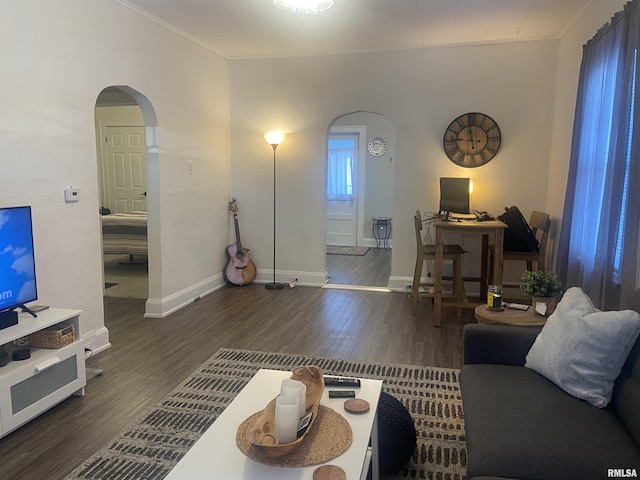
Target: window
[
  {"x": 341, "y": 166},
  {"x": 598, "y": 244},
  {"x": 625, "y": 187}
]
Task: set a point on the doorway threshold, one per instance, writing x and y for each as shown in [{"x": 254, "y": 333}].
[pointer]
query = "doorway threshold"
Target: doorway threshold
[{"x": 362, "y": 288}]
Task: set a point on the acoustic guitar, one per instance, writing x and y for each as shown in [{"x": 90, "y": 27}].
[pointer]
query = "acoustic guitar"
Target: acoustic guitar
[{"x": 240, "y": 269}]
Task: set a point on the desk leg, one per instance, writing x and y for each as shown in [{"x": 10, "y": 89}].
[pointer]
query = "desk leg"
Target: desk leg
[
  {"x": 484, "y": 274},
  {"x": 437, "y": 297},
  {"x": 497, "y": 258}
]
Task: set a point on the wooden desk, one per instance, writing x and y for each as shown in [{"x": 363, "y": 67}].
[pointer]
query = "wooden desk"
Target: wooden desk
[
  {"x": 494, "y": 230},
  {"x": 508, "y": 316}
]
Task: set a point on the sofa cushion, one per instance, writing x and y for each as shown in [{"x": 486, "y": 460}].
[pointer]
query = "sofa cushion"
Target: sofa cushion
[
  {"x": 626, "y": 394},
  {"x": 581, "y": 349},
  {"x": 517, "y": 421},
  {"x": 626, "y": 390}
]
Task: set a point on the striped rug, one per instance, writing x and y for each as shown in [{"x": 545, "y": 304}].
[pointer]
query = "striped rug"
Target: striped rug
[{"x": 151, "y": 446}]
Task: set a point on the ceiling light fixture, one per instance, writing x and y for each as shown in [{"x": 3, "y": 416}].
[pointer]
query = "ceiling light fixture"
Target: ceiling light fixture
[{"x": 304, "y": 6}]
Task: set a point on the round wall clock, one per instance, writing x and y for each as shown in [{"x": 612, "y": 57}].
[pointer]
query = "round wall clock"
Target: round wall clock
[
  {"x": 472, "y": 139},
  {"x": 377, "y": 146}
]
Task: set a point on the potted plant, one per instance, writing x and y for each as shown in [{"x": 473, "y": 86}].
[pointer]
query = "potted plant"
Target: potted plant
[{"x": 543, "y": 287}]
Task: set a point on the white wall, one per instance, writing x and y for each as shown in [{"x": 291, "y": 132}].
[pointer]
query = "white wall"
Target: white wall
[
  {"x": 56, "y": 58},
  {"x": 421, "y": 92}
]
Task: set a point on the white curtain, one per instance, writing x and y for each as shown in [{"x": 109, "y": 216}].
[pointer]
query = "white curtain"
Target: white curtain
[{"x": 340, "y": 169}]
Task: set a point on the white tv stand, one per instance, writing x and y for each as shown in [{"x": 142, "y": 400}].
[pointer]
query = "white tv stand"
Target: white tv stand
[{"x": 29, "y": 387}]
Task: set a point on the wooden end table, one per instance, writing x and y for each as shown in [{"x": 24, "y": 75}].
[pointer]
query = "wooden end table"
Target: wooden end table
[{"x": 509, "y": 316}]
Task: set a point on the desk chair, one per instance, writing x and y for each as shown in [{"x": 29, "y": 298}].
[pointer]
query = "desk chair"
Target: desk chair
[
  {"x": 540, "y": 224},
  {"x": 452, "y": 252}
]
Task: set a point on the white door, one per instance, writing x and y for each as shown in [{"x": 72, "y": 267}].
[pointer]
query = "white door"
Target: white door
[
  {"x": 343, "y": 201},
  {"x": 341, "y": 222},
  {"x": 126, "y": 169}
]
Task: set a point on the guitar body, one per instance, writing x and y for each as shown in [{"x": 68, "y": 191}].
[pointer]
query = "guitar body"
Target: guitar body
[{"x": 240, "y": 269}]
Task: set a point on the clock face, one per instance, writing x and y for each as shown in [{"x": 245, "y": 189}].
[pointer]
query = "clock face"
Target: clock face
[
  {"x": 472, "y": 140},
  {"x": 377, "y": 146}
]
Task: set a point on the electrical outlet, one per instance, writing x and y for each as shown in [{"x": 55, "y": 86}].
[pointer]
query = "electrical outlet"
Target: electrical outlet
[
  {"x": 189, "y": 167},
  {"x": 293, "y": 278}
]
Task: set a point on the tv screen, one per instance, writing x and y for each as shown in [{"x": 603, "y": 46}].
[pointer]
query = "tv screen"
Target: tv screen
[
  {"x": 454, "y": 195},
  {"x": 17, "y": 263}
]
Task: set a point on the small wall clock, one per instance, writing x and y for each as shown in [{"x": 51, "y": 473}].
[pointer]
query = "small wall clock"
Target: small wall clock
[
  {"x": 377, "y": 146},
  {"x": 472, "y": 140}
]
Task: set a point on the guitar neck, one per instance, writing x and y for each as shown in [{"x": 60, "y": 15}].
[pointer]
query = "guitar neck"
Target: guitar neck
[{"x": 238, "y": 243}]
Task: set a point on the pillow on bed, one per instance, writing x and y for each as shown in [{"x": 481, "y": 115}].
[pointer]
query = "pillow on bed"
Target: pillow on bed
[{"x": 581, "y": 349}]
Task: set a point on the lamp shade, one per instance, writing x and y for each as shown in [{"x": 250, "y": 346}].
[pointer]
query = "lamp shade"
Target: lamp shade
[{"x": 274, "y": 138}]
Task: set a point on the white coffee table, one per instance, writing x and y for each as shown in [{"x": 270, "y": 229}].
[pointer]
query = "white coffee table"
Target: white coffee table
[{"x": 216, "y": 455}]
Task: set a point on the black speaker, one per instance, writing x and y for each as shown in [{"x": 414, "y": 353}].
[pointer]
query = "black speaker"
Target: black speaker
[
  {"x": 8, "y": 319},
  {"x": 21, "y": 354},
  {"x": 4, "y": 358}
]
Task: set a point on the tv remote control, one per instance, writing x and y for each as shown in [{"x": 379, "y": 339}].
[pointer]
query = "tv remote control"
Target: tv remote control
[
  {"x": 342, "y": 393},
  {"x": 341, "y": 382}
]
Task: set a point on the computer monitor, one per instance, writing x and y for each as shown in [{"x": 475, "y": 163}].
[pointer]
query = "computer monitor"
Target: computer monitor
[{"x": 454, "y": 195}]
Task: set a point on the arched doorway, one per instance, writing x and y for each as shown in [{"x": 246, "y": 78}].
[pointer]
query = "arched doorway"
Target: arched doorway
[
  {"x": 128, "y": 187},
  {"x": 354, "y": 255}
]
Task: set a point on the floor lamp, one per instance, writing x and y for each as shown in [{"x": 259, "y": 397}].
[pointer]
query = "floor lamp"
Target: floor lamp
[{"x": 274, "y": 139}]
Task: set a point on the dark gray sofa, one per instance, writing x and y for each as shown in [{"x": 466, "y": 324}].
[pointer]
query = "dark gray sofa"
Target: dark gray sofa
[{"x": 519, "y": 425}]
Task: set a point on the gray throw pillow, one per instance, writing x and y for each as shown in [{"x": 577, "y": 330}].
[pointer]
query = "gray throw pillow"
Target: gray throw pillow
[{"x": 582, "y": 349}]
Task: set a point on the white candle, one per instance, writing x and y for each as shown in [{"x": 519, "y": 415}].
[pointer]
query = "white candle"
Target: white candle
[
  {"x": 303, "y": 400},
  {"x": 287, "y": 418},
  {"x": 295, "y": 388}
]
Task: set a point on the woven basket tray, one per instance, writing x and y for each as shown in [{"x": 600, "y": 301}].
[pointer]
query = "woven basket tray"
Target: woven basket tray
[{"x": 56, "y": 336}]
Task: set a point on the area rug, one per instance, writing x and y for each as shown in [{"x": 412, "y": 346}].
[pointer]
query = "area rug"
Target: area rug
[
  {"x": 151, "y": 446},
  {"x": 345, "y": 250}
]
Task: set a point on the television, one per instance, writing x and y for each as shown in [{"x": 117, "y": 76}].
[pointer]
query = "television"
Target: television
[
  {"x": 17, "y": 263},
  {"x": 454, "y": 195}
]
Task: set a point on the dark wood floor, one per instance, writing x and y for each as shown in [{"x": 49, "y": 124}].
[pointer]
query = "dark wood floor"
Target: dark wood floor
[
  {"x": 149, "y": 357},
  {"x": 372, "y": 269}
]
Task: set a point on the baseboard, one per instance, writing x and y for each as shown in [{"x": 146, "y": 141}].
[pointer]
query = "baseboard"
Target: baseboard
[
  {"x": 163, "y": 307},
  {"x": 97, "y": 340},
  {"x": 400, "y": 284},
  {"x": 371, "y": 242},
  {"x": 303, "y": 279}
]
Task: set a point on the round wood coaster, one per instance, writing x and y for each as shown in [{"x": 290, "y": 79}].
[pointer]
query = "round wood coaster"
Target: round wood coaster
[
  {"x": 329, "y": 472},
  {"x": 356, "y": 405}
]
